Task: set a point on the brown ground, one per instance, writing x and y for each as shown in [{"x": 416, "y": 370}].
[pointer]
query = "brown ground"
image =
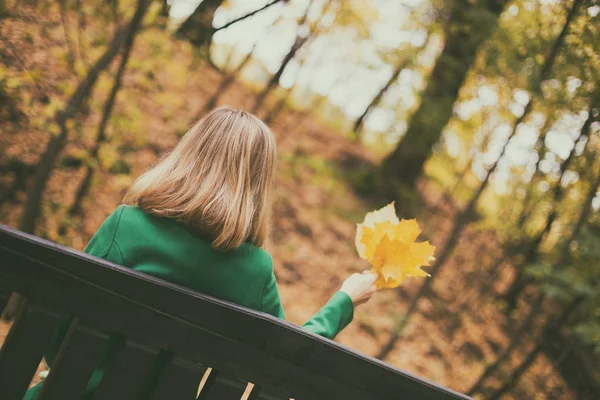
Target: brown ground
[{"x": 448, "y": 342}]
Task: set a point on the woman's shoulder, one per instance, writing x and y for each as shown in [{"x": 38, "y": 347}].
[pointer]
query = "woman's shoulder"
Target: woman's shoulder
[
  {"x": 135, "y": 216},
  {"x": 258, "y": 257},
  {"x": 111, "y": 222},
  {"x": 130, "y": 211}
]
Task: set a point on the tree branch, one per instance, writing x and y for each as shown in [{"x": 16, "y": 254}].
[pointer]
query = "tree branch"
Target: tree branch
[{"x": 243, "y": 17}]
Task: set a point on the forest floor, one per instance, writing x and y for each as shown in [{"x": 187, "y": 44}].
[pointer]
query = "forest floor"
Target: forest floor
[{"x": 456, "y": 331}]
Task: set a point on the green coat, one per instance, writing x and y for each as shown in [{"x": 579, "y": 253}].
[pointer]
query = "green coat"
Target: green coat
[{"x": 166, "y": 249}]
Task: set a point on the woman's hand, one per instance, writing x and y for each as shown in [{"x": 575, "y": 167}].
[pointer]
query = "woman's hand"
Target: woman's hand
[{"x": 360, "y": 287}]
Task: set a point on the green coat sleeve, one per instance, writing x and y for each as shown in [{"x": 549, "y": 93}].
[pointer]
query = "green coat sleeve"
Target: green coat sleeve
[
  {"x": 334, "y": 316},
  {"x": 102, "y": 245}
]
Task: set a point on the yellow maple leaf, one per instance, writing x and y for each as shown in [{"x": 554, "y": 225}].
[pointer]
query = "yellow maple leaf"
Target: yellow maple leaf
[{"x": 390, "y": 246}]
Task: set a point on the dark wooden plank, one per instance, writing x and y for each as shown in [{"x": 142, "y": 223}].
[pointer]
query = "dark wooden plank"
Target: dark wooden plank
[
  {"x": 260, "y": 394},
  {"x": 249, "y": 345},
  {"x": 22, "y": 351},
  {"x": 3, "y": 300},
  {"x": 80, "y": 353},
  {"x": 179, "y": 380},
  {"x": 127, "y": 376},
  {"x": 220, "y": 387}
]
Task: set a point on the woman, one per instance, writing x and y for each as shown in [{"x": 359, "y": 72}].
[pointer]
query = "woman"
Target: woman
[{"x": 199, "y": 217}]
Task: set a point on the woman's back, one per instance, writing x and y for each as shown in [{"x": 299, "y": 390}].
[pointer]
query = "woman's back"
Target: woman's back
[{"x": 168, "y": 250}]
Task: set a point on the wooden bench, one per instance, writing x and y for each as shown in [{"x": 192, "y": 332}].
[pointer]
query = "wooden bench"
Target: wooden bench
[{"x": 192, "y": 331}]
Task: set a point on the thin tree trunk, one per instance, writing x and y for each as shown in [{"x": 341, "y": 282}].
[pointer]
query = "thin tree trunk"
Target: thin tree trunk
[
  {"x": 114, "y": 8},
  {"x": 81, "y": 24},
  {"x": 225, "y": 84},
  {"x": 106, "y": 114},
  {"x": 274, "y": 80},
  {"x": 488, "y": 284},
  {"x": 164, "y": 10},
  {"x": 64, "y": 22},
  {"x": 514, "y": 342},
  {"x": 405, "y": 163},
  {"x": 528, "y": 205},
  {"x": 452, "y": 193},
  {"x": 550, "y": 328},
  {"x": 519, "y": 281},
  {"x": 377, "y": 99},
  {"x": 274, "y": 112},
  {"x": 32, "y": 207}
]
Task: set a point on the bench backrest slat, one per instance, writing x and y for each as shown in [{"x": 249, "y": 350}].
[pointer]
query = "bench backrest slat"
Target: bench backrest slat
[
  {"x": 23, "y": 349},
  {"x": 80, "y": 353},
  {"x": 179, "y": 380},
  {"x": 251, "y": 346},
  {"x": 126, "y": 376},
  {"x": 219, "y": 386}
]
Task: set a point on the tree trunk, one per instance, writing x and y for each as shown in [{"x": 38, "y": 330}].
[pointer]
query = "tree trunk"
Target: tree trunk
[
  {"x": 32, "y": 207},
  {"x": 68, "y": 42},
  {"x": 528, "y": 204},
  {"x": 81, "y": 25},
  {"x": 377, "y": 99},
  {"x": 514, "y": 342},
  {"x": 198, "y": 28},
  {"x": 225, "y": 84},
  {"x": 548, "y": 330},
  {"x": 405, "y": 163},
  {"x": 164, "y": 10},
  {"x": 452, "y": 193},
  {"x": 114, "y": 10},
  {"x": 274, "y": 80},
  {"x": 106, "y": 113},
  {"x": 485, "y": 287},
  {"x": 274, "y": 112}
]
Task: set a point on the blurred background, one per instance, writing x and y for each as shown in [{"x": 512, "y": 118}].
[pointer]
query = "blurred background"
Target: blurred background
[{"x": 480, "y": 118}]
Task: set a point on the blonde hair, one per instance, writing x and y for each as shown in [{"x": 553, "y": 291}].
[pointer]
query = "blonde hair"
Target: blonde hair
[{"x": 217, "y": 180}]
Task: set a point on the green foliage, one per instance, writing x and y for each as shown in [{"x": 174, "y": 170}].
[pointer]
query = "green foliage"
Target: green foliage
[
  {"x": 589, "y": 332},
  {"x": 560, "y": 284},
  {"x": 586, "y": 264}
]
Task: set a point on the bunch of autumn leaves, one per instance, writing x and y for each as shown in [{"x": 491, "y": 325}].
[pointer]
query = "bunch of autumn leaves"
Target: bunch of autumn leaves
[{"x": 390, "y": 246}]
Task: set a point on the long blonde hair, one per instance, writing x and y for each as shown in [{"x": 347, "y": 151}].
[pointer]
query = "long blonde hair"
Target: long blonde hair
[{"x": 217, "y": 180}]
